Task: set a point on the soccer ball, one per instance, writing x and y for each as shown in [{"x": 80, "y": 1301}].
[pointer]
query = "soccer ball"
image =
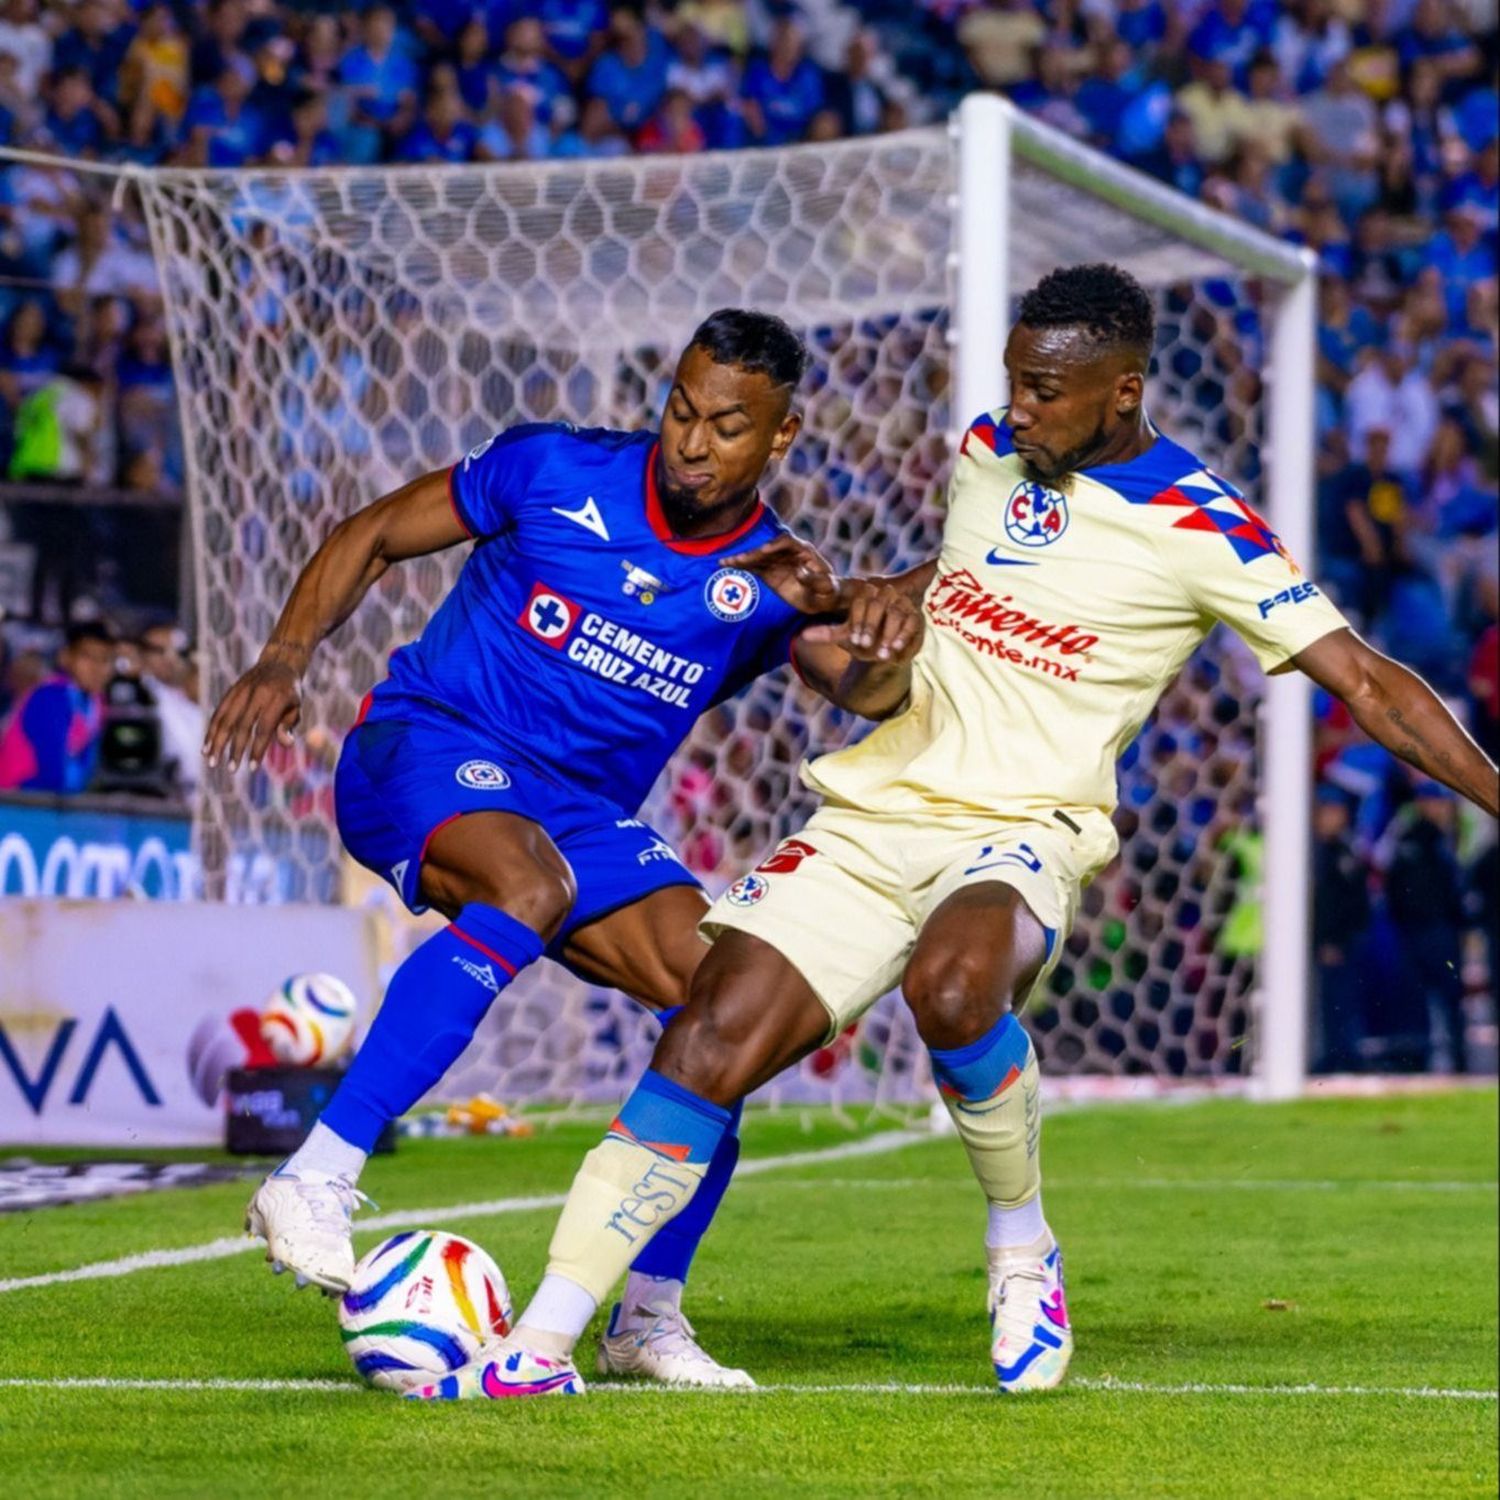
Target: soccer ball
[
  {"x": 309, "y": 1020},
  {"x": 420, "y": 1305}
]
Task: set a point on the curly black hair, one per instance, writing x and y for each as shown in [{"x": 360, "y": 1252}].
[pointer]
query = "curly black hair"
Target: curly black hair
[
  {"x": 1110, "y": 304},
  {"x": 754, "y": 341}
]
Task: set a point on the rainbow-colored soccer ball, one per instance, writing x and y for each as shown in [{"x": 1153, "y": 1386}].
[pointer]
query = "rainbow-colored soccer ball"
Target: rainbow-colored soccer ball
[
  {"x": 309, "y": 1021},
  {"x": 421, "y": 1304}
]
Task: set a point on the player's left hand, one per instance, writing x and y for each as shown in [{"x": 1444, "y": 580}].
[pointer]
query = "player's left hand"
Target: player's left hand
[
  {"x": 883, "y": 624},
  {"x": 798, "y": 572}
]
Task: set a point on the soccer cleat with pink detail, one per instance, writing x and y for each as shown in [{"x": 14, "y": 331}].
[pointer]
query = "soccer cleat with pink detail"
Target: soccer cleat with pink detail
[
  {"x": 1033, "y": 1339},
  {"x": 503, "y": 1371}
]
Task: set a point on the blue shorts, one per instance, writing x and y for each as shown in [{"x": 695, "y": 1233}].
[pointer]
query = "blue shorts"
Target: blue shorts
[{"x": 399, "y": 781}]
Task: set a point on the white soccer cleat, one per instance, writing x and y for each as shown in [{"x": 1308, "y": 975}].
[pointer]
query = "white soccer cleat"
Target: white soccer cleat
[
  {"x": 664, "y": 1348},
  {"x": 1033, "y": 1339},
  {"x": 305, "y": 1222},
  {"x": 504, "y": 1370}
]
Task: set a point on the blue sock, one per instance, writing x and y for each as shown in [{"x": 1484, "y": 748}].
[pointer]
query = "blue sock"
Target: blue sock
[
  {"x": 433, "y": 1004},
  {"x": 986, "y": 1067},
  {"x": 671, "y": 1120},
  {"x": 671, "y": 1253}
]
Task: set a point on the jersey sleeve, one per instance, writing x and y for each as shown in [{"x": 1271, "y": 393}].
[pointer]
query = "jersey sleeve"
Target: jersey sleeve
[
  {"x": 1255, "y": 587},
  {"x": 489, "y": 485}
]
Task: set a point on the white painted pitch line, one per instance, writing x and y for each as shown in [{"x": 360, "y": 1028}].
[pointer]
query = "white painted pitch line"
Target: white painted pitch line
[
  {"x": 1285, "y": 1184},
  {"x": 1105, "y": 1384},
  {"x": 231, "y": 1245}
]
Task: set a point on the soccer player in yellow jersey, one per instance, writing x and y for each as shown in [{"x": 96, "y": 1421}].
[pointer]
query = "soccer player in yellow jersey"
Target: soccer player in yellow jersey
[{"x": 1085, "y": 555}]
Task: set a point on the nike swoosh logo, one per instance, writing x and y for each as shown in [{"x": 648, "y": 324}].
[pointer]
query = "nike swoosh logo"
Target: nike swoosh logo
[{"x": 1001, "y": 561}]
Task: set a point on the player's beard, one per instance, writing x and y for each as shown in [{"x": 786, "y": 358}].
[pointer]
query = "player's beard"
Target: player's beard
[
  {"x": 686, "y": 513},
  {"x": 1075, "y": 458}
]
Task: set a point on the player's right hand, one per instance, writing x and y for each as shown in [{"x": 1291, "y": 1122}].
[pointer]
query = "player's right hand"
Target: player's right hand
[
  {"x": 265, "y": 703},
  {"x": 883, "y": 623},
  {"x": 795, "y": 570}
]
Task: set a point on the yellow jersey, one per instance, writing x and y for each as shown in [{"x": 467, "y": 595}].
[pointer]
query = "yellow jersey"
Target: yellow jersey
[{"x": 1058, "y": 615}]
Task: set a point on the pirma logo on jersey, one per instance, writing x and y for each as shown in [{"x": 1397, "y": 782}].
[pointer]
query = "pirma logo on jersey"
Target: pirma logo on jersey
[
  {"x": 731, "y": 594},
  {"x": 1034, "y": 515},
  {"x": 482, "y": 776}
]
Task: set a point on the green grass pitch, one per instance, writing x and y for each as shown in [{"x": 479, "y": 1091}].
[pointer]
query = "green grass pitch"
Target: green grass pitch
[{"x": 1270, "y": 1301}]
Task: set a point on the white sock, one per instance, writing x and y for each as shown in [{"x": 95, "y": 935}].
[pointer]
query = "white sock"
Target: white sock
[
  {"x": 642, "y": 1291},
  {"x": 561, "y": 1308},
  {"x": 325, "y": 1150},
  {"x": 1015, "y": 1228}
]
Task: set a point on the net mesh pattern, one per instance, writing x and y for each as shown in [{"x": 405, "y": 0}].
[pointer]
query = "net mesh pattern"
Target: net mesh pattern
[{"x": 338, "y": 333}]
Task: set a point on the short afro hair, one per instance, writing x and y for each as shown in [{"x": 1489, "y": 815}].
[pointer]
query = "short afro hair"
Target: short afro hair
[
  {"x": 1109, "y": 304},
  {"x": 755, "y": 341}
]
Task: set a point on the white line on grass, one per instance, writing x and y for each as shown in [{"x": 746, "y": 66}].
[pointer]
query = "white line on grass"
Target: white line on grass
[
  {"x": 1105, "y": 1384},
  {"x": 229, "y": 1245},
  {"x": 1205, "y": 1184}
]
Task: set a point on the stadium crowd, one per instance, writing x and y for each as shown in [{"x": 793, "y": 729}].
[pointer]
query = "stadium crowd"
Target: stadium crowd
[{"x": 1365, "y": 129}]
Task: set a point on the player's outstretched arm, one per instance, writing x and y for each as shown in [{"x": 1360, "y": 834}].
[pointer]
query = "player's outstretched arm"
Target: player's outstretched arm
[
  {"x": 859, "y": 652},
  {"x": 1398, "y": 710},
  {"x": 267, "y": 701}
]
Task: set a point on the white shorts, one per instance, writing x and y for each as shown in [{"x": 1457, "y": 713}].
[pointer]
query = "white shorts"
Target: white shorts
[{"x": 844, "y": 901}]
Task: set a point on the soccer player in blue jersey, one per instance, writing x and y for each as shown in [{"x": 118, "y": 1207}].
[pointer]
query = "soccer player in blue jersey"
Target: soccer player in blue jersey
[{"x": 496, "y": 772}]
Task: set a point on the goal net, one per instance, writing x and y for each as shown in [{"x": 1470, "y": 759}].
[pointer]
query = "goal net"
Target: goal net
[{"x": 337, "y": 332}]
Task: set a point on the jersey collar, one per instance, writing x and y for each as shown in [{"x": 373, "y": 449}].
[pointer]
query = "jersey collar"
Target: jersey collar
[{"x": 701, "y": 546}]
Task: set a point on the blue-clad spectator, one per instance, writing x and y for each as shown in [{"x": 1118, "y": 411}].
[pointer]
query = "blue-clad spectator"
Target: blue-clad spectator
[
  {"x": 516, "y": 133},
  {"x": 631, "y": 74},
  {"x": 440, "y": 23},
  {"x": 594, "y": 136},
  {"x": 1478, "y": 189},
  {"x": 1234, "y": 31},
  {"x": 1308, "y": 39},
  {"x": 783, "y": 90},
  {"x": 853, "y": 95},
  {"x": 1344, "y": 328},
  {"x": 1175, "y": 162},
  {"x": 28, "y": 359},
  {"x": 303, "y": 139},
  {"x": 95, "y": 45},
  {"x": 75, "y": 122},
  {"x": 474, "y": 69},
  {"x": 577, "y": 31},
  {"x": 524, "y": 64},
  {"x": 442, "y": 134},
  {"x": 1477, "y": 117},
  {"x": 1460, "y": 251},
  {"x": 382, "y": 82},
  {"x": 1141, "y": 24},
  {"x": 1052, "y": 95},
  {"x": 1431, "y": 36},
  {"x": 50, "y": 743},
  {"x": 1103, "y": 98},
  {"x": 221, "y": 128}
]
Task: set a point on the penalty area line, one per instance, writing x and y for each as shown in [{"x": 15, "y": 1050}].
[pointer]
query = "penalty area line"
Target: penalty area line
[
  {"x": 412, "y": 1218},
  {"x": 1106, "y": 1385}
]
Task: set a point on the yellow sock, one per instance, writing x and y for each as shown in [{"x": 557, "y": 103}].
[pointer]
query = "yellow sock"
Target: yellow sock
[
  {"x": 992, "y": 1089},
  {"x": 623, "y": 1193}
]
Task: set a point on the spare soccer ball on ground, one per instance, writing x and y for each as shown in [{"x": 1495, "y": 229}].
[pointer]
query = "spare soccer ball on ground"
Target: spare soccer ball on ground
[
  {"x": 420, "y": 1305},
  {"x": 309, "y": 1021}
]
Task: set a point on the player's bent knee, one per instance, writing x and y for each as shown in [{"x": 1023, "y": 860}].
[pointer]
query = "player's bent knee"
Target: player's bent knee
[
  {"x": 696, "y": 1052},
  {"x": 532, "y": 883},
  {"x": 954, "y": 1001}
]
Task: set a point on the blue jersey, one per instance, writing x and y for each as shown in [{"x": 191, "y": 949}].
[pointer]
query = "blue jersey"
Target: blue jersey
[{"x": 582, "y": 636}]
